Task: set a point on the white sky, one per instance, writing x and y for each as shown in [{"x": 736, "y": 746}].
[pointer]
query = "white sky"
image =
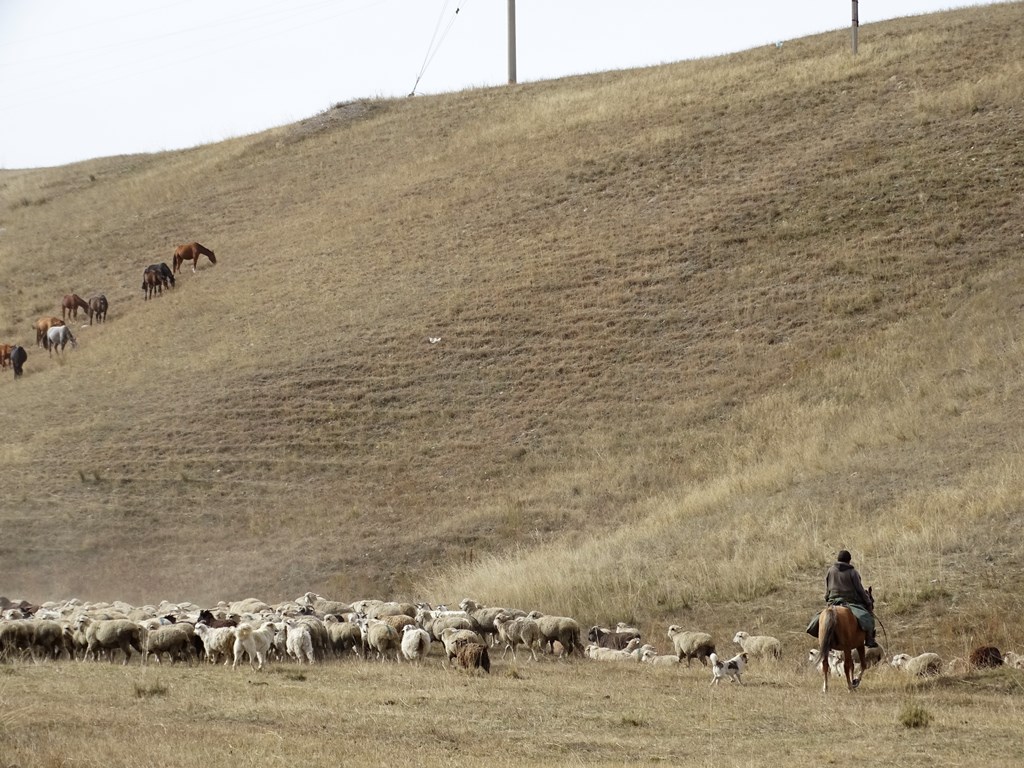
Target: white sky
[{"x": 91, "y": 78}]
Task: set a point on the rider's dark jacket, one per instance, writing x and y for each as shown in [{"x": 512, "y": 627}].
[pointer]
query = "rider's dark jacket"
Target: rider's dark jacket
[{"x": 842, "y": 582}]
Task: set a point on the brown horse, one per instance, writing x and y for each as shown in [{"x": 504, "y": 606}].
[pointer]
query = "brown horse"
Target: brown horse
[
  {"x": 42, "y": 325},
  {"x": 98, "y": 308},
  {"x": 153, "y": 282},
  {"x": 70, "y": 304},
  {"x": 838, "y": 629},
  {"x": 191, "y": 252}
]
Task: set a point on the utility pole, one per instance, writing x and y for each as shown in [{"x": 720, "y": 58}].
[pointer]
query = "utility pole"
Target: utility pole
[
  {"x": 512, "y": 41},
  {"x": 853, "y": 27}
]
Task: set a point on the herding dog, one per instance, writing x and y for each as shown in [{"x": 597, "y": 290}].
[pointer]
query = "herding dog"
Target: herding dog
[{"x": 732, "y": 669}]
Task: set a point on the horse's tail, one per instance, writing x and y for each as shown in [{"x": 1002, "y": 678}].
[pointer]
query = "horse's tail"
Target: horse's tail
[{"x": 826, "y": 632}]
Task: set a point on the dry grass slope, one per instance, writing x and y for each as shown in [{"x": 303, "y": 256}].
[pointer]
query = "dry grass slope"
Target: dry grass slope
[{"x": 700, "y": 325}]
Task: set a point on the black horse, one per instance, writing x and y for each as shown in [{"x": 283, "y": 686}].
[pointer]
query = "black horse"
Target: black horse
[{"x": 18, "y": 358}]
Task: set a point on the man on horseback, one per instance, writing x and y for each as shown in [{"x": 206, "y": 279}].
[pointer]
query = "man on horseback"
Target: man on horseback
[{"x": 843, "y": 587}]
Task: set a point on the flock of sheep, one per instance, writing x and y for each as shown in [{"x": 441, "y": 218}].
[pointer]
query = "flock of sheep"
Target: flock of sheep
[{"x": 312, "y": 629}]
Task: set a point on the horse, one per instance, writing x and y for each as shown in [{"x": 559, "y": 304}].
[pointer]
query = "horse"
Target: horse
[
  {"x": 18, "y": 358},
  {"x": 59, "y": 336},
  {"x": 191, "y": 252},
  {"x": 98, "y": 308},
  {"x": 838, "y": 629},
  {"x": 42, "y": 325},
  {"x": 70, "y": 303}
]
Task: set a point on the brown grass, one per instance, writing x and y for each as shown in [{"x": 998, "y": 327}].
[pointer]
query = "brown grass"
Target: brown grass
[{"x": 701, "y": 326}]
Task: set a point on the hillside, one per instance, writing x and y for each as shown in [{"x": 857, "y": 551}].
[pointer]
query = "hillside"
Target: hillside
[{"x": 701, "y": 325}]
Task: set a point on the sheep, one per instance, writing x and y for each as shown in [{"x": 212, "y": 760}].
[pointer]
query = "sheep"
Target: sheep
[
  {"x": 451, "y": 636},
  {"x": 873, "y": 656},
  {"x": 218, "y": 642},
  {"x": 173, "y": 639},
  {"x": 15, "y": 636},
  {"x": 299, "y": 641},
  {"x": 472, "y": 655},
  {"x": 600, "y": 653},
  {"x": 343, "y": 635},
  {"x": 108, "y": 634},
  {"x": 651, "y": 656},
  {"x": 516, "y": 631},
  {"x": 691, "y": 645},
  {"x": 1013, "y": 660},
  {"x": 256, "y": 643},
  {"x": 484, "y": 617},
  {"x": 759, "y": 646},
  {"x": 561, "y": 629},
  {"x": 381, "y": 637},
  {"x": 612, "y": 638},
  {"x": 53, "y": 638},
  {"x": 415, "y": 642},
  {"x": 985, "y": 656},
  {"x": 322, "y": 606},
  {"x": 925, "y": 664},
  {"x": 437, "y": 622}
]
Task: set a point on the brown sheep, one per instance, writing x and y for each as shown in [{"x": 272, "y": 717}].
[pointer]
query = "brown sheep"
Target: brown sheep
[
  {"x": 471, "y": 656},
  {"x": 986, "y": 656}
]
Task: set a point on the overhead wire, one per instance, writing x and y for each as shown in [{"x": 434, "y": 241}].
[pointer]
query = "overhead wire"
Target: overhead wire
[{"x": 432, "y": 49}]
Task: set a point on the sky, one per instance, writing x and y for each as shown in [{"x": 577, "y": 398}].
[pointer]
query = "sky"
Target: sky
[{"x": 92, "y": 78}]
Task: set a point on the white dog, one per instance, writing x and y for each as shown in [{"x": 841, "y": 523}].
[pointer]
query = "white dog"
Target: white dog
[{"x": 732, "y": 669}]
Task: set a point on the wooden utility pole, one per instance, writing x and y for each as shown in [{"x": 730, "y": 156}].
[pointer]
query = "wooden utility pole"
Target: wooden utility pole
[
  {"x": 853, "y": 28},
  {"x": 512, "y": 41}
]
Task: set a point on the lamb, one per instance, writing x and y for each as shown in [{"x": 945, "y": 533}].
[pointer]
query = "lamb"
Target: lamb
[
  {"x": 112, "y": 633},
  {"x": 415, "y": 642},
  {"x": 1013, "y": 660},
  {"x": 471, "y": 656},
  {"x": 759, "y": 646},
  {"x": 298, "y": 641},
  {"x": 561, "y": 629},
  {"x": 651, "y": 656},
  {"x": 691, "y": 645},
  {"x": 925, "y": 664},
  {"x": 173, "y": 639},
  {"x": 256, "y": 643},
  {"x": 516, "y": 631},
  {"x": 218, "y": 642}
]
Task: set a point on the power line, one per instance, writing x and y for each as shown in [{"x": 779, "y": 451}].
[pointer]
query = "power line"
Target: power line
[{"x": 432, "y": 49}]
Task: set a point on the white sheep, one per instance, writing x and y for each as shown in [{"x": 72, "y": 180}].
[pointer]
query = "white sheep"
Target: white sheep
[
  {"x": 415, "y": 642},
  {"x": 599, "y": 653},
  {"x": 255, "y": 643},
  {"x": 218, "y": 642},
  {"x": 691, "y": 645},
  {"x": 924, "y": 664},
  {"x": 651, "y": 656},
  {"x": 514, "y": 631},
  {"x": 109, "y": 634},
  {"x": 759, "y": 646},
  {"x": 563, "y": 630},
  {"x": 298, "y": 641}
]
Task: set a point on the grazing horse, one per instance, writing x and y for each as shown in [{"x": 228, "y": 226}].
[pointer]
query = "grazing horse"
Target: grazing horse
[
  {"x": 58, "y": 337},
  {"x": 98, "y": 308},
  {"x": 18, "y": 358},
  {"x": 42, "y": 325},
  {"x": 191, "y": 252},
  {"x": 70, "y": 303},
  {"x": 838, "y": 629}
]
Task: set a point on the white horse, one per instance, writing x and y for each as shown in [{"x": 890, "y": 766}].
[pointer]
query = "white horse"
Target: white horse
[{"x": 58, "y": 337}]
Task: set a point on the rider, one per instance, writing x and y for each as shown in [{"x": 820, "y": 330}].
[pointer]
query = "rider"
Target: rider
[{"x": 843, "y": 587}]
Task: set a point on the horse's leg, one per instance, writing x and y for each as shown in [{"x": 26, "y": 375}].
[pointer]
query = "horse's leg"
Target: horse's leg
[
  {"x": 824, "y": 673},
  {"x": 848, "y": 669}
]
